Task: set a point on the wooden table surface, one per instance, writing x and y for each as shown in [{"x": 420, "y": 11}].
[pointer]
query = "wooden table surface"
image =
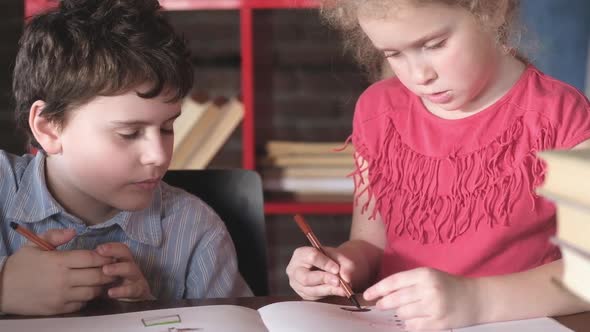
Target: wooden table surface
[{"x": 578, "y": 322}]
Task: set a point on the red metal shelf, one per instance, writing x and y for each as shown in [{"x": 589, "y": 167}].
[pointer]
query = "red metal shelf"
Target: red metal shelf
[
  {"x": 270, "y": 4},
  {"x": 236, "y": 4},
  {"x": 283, "y": 207},
  {"x": 33, "y": 7},
  {"x": 200, "y": 4}
]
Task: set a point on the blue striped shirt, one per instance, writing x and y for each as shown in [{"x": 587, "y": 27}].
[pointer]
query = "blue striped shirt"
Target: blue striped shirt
[{"x": 179, "y": 242}]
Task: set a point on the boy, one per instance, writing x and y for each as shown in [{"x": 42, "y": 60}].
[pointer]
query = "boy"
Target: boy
[{"x": 98, "y": 84}]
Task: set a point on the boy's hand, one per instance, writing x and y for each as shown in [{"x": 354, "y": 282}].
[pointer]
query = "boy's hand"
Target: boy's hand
[
  {"x": 38, "y": 282},
  {"x": 427, "y": 299},
  {"x": 313, "y": 275},
  {"x": 134, "y": 286}
]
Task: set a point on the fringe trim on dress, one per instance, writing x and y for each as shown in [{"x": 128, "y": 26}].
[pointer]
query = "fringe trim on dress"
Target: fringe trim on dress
[{"x": 404, "y": 185}]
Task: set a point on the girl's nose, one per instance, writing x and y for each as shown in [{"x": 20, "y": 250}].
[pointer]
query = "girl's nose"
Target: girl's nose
[{"x": 422, "y": 72}]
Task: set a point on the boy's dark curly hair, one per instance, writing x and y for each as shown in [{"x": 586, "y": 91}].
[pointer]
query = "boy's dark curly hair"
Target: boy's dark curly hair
[{"x": 89, "y": 48}]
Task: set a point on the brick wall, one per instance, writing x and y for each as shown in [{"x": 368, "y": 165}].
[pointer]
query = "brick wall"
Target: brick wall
[
  {"x": 11, "y": 13},
  {"x": 305, "y": 87}
]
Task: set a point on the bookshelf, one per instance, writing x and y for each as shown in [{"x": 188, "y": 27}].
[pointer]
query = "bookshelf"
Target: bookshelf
[{"x": 246, "y": 10}]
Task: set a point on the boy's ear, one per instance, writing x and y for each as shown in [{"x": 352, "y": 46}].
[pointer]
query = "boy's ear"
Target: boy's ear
[{"x": 46, "y": 132}]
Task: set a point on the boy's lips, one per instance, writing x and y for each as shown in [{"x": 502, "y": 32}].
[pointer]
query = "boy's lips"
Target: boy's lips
[{"x": 148, "y": 184}]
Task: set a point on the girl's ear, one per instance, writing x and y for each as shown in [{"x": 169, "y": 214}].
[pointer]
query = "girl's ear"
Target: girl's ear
[
  {"x": 500, "y": 15},
  {"x": 46, "y": 132}
]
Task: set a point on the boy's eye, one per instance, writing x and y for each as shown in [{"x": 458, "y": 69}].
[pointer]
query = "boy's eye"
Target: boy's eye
[
  {"x": 437, "y": 45},
  {"x": 167, "y": 131},
  {"x": 132, "y": 135}
]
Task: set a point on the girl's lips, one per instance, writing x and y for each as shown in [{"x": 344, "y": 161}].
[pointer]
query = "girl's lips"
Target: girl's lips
[{"x": 439, "y": 97}]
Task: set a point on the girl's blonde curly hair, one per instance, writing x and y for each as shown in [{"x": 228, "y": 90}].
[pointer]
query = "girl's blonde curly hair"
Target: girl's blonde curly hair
[{"x": 343, "y": 16}]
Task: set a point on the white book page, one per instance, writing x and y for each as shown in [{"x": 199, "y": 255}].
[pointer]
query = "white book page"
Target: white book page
[
  {"x": 314, "y": 316},
  {"x": 218, "y": 318},
  {"x": 319, "y": 317}
]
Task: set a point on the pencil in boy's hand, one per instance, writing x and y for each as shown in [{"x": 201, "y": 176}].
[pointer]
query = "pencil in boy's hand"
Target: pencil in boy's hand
[
  {"x": 316, "y": 244},
  {"x": 31, "y": 236}
]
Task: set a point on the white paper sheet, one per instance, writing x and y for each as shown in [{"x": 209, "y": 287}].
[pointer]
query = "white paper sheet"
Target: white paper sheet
[{"x": 219, "y": 318}]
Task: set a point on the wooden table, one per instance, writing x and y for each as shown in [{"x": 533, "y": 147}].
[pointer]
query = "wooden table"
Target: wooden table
[{"x": 577, "y": 322}]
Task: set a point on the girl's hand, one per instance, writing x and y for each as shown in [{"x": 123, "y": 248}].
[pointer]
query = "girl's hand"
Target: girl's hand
[
  {"x": 133, "y": 286},
  {"x": 313, "y": 275},
  {"x": 427, "y": 299}
]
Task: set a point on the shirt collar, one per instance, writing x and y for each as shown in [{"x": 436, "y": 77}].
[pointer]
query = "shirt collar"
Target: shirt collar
[{"x": 143, "y": 226}]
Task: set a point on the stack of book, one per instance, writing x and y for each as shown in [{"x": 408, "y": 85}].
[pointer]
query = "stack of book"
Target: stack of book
[
  {"x": 202, "y": 128},
  {"x": 567, "y": 183},
  {"x": 308, "y": 171}
]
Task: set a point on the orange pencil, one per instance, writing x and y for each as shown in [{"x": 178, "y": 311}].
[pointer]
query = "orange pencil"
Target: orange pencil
[
  {"x": 316, "y": 244},
  {"x": 31, "y": 236}
]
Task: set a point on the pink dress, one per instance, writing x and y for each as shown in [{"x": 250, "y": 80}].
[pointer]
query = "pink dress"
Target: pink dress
[{"x": 459, "y": 195}]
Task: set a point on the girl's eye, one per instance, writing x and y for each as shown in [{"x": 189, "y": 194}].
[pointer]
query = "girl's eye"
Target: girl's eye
[
  {"x": 130, "y": 136},
  {"x": 391, "y": 54},
  {"x": 437, "y": 45}
]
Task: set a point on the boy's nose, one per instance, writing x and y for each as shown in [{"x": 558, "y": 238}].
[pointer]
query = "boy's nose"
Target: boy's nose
[{"x": 155, "y": 153}]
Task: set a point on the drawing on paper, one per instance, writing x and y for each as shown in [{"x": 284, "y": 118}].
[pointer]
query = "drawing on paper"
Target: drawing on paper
[
  {"x": 390, "y": 321},
  {"x": 161, "y": 320},
  {"x": 354, "y": 309}
]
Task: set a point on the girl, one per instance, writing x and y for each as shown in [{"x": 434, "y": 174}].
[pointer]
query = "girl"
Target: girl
[{"x": 447, "y": 228}]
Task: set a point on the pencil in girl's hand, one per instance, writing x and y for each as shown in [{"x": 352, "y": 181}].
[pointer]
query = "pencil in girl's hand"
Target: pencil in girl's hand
[
  {"x": 31, "y": 236},
  {"x": 316, "y": 244}
]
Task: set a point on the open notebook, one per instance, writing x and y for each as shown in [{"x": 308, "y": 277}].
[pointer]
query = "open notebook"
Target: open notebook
[{"x": 277, "y": 317}]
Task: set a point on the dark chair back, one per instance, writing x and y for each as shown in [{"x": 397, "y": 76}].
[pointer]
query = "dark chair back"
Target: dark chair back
[{"x": 236, "y": 196}]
